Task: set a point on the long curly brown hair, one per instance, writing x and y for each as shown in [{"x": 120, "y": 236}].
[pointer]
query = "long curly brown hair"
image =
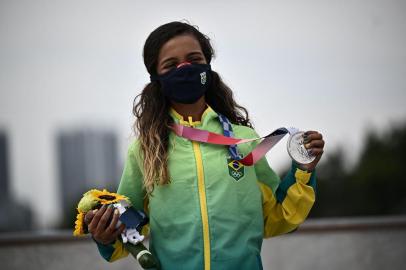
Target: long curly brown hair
[{"x": 151, "y": 108}]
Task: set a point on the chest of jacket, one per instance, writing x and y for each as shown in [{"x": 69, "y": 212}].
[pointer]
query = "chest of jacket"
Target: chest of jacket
[{"x": 229, "y": 196}]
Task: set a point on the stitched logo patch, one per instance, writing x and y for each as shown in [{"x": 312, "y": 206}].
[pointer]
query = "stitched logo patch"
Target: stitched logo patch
[
  {"x": 235, "y": 169},
  {"x": 203, "y": 78}
]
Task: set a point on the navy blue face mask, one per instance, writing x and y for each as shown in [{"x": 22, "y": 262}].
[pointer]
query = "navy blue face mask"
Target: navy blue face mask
[{"x": 186, "y": 83}]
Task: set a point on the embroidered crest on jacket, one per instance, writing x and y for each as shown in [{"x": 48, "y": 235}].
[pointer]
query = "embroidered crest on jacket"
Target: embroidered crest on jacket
[{"x": 236, "y": 169}]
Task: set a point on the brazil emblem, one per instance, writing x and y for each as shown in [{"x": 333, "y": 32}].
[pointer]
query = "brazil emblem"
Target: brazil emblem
[{"x": 235, "y": 169}]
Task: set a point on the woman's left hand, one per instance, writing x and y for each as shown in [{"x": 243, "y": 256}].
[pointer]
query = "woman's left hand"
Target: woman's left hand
[{"x": 314, "y": 143}]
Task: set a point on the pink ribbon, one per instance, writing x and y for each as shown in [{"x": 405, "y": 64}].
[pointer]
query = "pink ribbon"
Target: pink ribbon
[{"x": 250, "y": 159}]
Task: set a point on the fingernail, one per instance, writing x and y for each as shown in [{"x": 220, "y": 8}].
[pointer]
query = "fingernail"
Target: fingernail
[
  {"x": 307, "y": 145},
  {"x": 95, "y": 210},
  {"x": 116, "y": 212}
]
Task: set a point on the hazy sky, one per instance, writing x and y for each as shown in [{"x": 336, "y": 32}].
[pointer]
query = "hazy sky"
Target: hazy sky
[{"x": 334, "y": 66}]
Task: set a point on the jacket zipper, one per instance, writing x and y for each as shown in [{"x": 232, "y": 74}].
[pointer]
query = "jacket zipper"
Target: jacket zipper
[{"x": 203, "y": 202}]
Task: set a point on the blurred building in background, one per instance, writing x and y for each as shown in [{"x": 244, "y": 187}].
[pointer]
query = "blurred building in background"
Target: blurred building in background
[
  {"x": 14, "y": 216},
  {"x": 88, "y": 158},
  {"x": 3, "y": 164}
]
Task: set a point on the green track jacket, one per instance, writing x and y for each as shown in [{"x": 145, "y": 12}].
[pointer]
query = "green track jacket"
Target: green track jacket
[{"x": 214, "y": 214}]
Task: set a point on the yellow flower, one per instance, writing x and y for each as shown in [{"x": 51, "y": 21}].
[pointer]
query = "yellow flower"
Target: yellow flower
[
  {"x": 94, "y": 198},
  {"x": 79, "y": 230},
  {"x": 91, "y": 200},
  {"x": 105, "y": 197}
]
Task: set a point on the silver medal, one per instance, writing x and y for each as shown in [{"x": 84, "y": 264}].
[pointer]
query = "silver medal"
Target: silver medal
[{"x": 297, "y": 150}]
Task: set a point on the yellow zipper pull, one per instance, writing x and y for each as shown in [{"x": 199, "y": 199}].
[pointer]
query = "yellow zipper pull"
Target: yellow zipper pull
[{"x": 190, "y": 121}]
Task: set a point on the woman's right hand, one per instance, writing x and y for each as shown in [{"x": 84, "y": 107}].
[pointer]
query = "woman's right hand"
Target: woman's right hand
[{"x": 102, "y": 226}]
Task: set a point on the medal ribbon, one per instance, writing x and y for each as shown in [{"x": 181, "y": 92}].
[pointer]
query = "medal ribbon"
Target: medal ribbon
[
  {"x": 267, "y": 143},
  {"x": 228, "y": 132}
]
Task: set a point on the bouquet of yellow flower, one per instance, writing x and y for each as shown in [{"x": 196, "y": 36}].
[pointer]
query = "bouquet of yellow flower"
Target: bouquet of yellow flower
[{"x": 133, "y": 220}]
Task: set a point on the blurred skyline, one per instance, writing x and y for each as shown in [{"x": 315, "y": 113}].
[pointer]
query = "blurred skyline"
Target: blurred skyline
[{"x": 334, "y": 66}]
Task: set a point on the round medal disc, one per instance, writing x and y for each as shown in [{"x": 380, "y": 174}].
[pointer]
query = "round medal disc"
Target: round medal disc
[{"x": 297, "y": 150}]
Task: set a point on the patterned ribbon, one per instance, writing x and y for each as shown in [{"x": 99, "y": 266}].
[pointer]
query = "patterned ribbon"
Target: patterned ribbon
[
  {"x": 250, "y": 159},
  {"x": 228, "y": 132}
]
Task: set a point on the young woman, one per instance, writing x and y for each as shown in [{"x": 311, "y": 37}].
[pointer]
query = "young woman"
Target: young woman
[{"x": 203, "y": 214}]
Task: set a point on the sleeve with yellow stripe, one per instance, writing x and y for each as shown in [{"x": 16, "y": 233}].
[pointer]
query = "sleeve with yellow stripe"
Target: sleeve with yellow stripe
[
  {"x": 287, "y": 203},
  {"x": 131, "y": 185}
]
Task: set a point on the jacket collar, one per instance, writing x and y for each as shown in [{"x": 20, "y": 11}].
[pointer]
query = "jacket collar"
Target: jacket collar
[{"x": 208, "y": 115}]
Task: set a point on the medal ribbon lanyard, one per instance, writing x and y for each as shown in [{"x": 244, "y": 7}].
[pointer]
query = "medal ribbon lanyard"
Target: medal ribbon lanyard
[
  {"x": 250, "y": 159},
  {"x": 228, "y": 132}
]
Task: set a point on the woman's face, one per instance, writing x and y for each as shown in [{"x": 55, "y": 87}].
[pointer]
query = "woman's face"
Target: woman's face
[{"x": 184, "y": 48}]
